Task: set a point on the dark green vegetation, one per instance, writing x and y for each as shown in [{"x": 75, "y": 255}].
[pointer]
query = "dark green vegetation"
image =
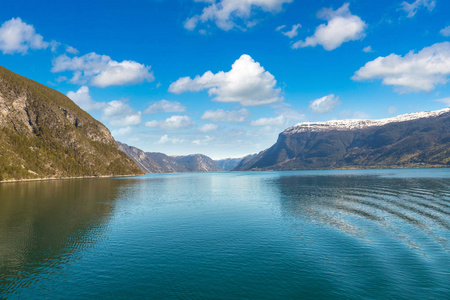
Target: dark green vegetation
[
  {"x": 43, "y": 134},
  {"x": 155, "y": 162},
  {"x": 422, "y": 143}
]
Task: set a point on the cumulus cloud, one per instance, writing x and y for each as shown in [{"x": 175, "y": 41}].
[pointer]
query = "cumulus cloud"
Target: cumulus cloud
[
  {"x": 229, "y": 14},
  {"x": 247, "y": 83},
  {"x": 208, "y": 127},
  {"x": 165, "y": 139},
  {"x": 286, "y": 117},
  {"x": 276, "y": 121},
  {"x": 293, "y": 32},
  {"x": 84, "y": 100},
  {"x": 17, "y": 36},
  {"x": 122, "y": 132},
  {"x": 101, "y": 70},
  {"x": 342, "y": 27},
  {"x": 172, "y": 123},
  {"x": 72, "y": 50},
  {"x": 202, "y": 142},
  {"x": 119, "y": 113},
  {"x": 368, "y": 49},
  {"x": 325, "y": 104},
  {"x": 221, "y": 115},
  {"x": 115, "y": 113},
  {"x": 445, "y": 31},
  {"x": 411, "y": 8},
  {"x": 413, "y": 72},
  {"x": 165, "y": 106}
]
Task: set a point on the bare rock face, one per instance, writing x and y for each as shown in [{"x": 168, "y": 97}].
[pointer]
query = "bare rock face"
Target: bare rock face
[
  {"x": 155, "y": 162},
  {"x": 412, "y": 140},
  {"x": 43, "y": 134}
]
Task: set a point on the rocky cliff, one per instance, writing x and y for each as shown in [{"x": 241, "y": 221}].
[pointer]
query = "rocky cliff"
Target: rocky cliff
[
  {"x": 43, "y": 134},
  {"x": 411, "y": 140}
]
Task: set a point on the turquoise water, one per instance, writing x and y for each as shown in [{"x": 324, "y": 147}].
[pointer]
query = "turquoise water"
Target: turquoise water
[{"x": 381, "y": 234}]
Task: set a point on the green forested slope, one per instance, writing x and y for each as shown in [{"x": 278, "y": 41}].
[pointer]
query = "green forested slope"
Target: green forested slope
[{"x": 44, "y": 134}]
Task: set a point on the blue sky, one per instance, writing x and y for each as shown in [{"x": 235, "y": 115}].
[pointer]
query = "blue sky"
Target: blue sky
[{"x": 225, "y": 77}]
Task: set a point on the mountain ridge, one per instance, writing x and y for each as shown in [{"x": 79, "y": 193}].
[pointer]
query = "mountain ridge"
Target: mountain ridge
[
  {"x": 156, "y": 162},
  {"x": 412, "y": 140}
]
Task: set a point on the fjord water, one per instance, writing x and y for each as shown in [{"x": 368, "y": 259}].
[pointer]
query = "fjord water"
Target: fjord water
[{"x": 265, "y": 235}]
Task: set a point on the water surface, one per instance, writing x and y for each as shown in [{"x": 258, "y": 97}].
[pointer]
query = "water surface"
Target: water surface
[{"x": 264, "y": 235}]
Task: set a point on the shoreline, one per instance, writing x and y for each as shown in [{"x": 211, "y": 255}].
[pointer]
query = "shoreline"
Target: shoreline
[{"x": 66, "y": 178}]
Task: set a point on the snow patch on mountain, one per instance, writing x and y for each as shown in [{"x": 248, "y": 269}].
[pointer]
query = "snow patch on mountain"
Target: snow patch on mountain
[{"x": 353, "y": 124}]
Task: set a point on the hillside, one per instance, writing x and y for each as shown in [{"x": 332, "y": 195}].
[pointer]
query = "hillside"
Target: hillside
[
  {"x": 412, "y": 140},
  {"x": 155, "y": 162},
  {"x": 43, "y": 134}
]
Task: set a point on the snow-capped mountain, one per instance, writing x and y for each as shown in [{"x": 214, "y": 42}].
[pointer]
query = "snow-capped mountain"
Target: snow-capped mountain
[
  {"x": 412, "y": 140},
  {"x": 360, "y": 124}
]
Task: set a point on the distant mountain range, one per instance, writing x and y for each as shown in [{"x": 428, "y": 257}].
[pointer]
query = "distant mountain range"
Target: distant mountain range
[
  {"x": 154, "y": 162},
  {"x": 43, "y": 134},
  {"x": 229, "y": 164},
  {"x": 411, "y": 140}
]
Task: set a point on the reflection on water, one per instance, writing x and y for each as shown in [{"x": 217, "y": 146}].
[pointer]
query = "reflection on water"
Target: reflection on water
[
  {"x": 254, "y": 235},
  {"x": 43, "y": 223},
  {"x": 346, "y": 201}
]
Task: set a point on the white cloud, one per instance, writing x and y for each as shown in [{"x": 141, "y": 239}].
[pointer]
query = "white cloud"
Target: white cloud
[
  {"x": 411, "y": 8},
  {"x": 101, "y": 70},
  {"x": 119, "y": 113},
  {"x": 202, "y": 142},
  {"x": 221, "y": 115},
  {"x": 325, "y": 104},
  {"x": 122, "y": 132},
  {"x": 286, "y": 117},
  {"x": 445, "y": 31},
  {"x": 392, "y": 110},
  {"x": 172, "y": 123},
  {"x": 342, "y": 27},
  {"x": 17, "y": 36},
  {"x": 229, "y": 14},
  {"x": 444, "y": 100},
  {"x": 420, "y": 71},
  {"x": 115, "y": 113},
  {"x": 165, "y": 106},
  {"x": 208, "y": 127},
  {"x": 165, "y": 139},
  {"x": 276, "y": 121},
  {"x": 247, "y": 83},
  {"x": 280, "y": 27},
  {"x": 72, "y": 50},
  {"x": 293, "y": 32},
  {"x": 84, "y": 100},
  {"x": 368, "y": 49}
]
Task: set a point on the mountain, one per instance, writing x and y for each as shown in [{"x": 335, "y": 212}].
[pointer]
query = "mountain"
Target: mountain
[
  {"x": 412, "y": 140},
  {"x": 229, "y": 164},
  {"x": 154, "y": 162},
  {"x": 43, "y": 134}
]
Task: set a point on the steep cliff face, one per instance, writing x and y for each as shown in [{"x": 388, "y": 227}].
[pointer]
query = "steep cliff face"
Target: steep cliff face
[
  {"x": 155, "y": 162},
  {"x": 44, "y": 134},
  {"x": 412, "y": 140}
]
